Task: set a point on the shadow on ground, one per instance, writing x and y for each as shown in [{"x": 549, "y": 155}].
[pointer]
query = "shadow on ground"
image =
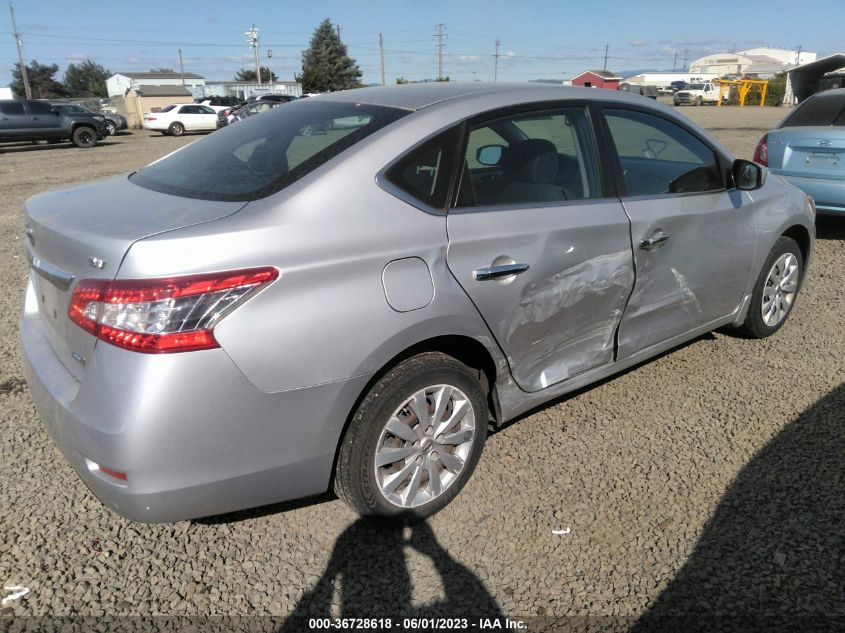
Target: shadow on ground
[
  {"x": 772, "y": 558},
  {"x": 367, "y": 577},
  {"x": 830, "y": 227}
]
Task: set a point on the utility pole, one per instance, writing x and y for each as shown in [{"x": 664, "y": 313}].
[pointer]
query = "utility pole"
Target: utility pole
[
  {"x": 686, "y": 53},
  {"x": 798, "y": 58},
  {"x": 338, "y": 31},
  {"x": 606, "y": 46},
  {"x": 496, "y": 61},
  {"x": 381, "y": 52},
  {"x": 181, "y": 67},
  {"x": 675, "y": 62},
  {"x": 24, "y": 76},
  {"x": 440, "y": 35},
  {"x": 252, "y": 40}
]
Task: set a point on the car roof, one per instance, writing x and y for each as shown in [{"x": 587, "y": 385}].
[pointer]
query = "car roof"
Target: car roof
[{"x": 422, "y": 95}]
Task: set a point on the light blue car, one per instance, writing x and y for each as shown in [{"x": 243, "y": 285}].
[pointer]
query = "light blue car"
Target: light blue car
[{"x": 808, "y": 149}]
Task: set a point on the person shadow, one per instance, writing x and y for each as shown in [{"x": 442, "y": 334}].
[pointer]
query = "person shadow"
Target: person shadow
[
  {"x": 772, "y": 556},
  {"x": 367, "y": 577}
]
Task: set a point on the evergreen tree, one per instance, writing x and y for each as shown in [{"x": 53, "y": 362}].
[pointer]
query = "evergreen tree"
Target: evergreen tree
[
  {"x": 40, "y": 81},
  {"x": 326, "y": 65},
  {"x": 87, "y": 79},
  {"x": 247, "y": 75}
]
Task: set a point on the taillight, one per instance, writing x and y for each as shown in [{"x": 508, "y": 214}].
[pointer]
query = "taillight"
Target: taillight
[
  {"x": 176, "y": 314},
  {"x": 761, "y": 154}
]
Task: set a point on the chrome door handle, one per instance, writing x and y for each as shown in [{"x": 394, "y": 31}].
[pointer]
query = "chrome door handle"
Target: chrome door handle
[
  {"x": 650, "y": 242},
  {"x": 495, "y": 272}
]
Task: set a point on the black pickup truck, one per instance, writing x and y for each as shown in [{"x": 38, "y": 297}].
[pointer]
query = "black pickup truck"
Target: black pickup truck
[{"x": 31, "y": 120}]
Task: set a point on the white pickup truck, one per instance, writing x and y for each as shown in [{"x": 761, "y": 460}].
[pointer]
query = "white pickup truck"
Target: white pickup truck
[{"x": 697, "y": 94}]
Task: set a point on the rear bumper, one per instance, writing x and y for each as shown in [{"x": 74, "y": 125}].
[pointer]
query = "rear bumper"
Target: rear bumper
[
  {"x": 194, "y": 436},
  {"x": 829, "y": 195}
]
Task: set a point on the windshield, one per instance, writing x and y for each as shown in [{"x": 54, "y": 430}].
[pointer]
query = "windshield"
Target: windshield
[
  {"x": 262, "y": 155},
  {"x": 168, "y": 108},
  {"x": 74, "y": 109},
  {"x": 820, "y": 109},
  {"x": 695, "y": 87}
]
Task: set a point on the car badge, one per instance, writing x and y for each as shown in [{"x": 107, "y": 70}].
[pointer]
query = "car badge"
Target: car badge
[
  {"x": 824, "y": 143},
  {"x": 96, "y": 262},
  {"x": 30, "y": 233}
]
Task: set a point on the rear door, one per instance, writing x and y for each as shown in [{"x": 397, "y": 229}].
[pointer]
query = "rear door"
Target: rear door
[
  {"x": 692, "y": 238},
  {"x": 14, "y": 122},
  {"x": 539, "y": 245}
]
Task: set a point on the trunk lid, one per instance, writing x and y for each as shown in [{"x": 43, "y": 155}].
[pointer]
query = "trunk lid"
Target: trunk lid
[
  {"x": 83, "y": 233},
  {"x": 809, "y": 152}
]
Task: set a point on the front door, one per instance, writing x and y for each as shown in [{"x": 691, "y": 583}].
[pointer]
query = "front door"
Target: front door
[
  {"x": 544, "y": 256},
  {"x": 693, "y": 239}
]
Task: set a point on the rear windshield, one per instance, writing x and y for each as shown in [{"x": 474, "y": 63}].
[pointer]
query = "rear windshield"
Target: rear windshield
[
  {"x": 256, "y": 157},
  {"x": 820, "y": 109}
]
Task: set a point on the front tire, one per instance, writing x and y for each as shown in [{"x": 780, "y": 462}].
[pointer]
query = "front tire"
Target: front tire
[
  {"x": 775, "y": 290},
  {"x": 110, "y": 128},
  {"x": 414, "y": 440},
  {"x": 176, "y": 129},
  {"x": 84, "y": 136},
  {"x": 697, "y": 101}
]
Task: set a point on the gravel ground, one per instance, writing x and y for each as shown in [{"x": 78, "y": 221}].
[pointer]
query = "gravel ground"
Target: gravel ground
[{"x": 708, "y": 481}]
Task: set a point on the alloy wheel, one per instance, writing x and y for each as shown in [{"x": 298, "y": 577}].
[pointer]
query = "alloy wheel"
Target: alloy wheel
[
  {"x": 780, "y": 289},
  {"x": 424, "y": 446}
]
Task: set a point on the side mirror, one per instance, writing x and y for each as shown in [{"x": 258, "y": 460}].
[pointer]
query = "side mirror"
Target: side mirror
[
  {"x": 490, "y": 155},
  {"x": 747, "y": 175}
]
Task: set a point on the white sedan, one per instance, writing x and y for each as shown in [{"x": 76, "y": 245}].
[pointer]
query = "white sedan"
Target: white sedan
[{"x": 178, "y": 118}]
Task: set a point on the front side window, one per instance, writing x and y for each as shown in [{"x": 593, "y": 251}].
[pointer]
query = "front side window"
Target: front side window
[
  {"x": 532, "y": 157},
  {"x": 660, "y": 157},
  {"x": 262, "y": 155},
  {"x": 39, "y": 107}
]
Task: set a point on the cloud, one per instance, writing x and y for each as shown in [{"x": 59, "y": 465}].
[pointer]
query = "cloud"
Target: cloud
[
  {"x": 638, "y": 43},
  {"x": 469, "y": 59}
]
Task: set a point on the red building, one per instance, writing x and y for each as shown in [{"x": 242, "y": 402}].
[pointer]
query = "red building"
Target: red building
[{"x": 597, "y": 79}]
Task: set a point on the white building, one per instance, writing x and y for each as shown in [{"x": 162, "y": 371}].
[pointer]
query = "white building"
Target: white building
[
  {"x": 783, "y": 55},
  {"x": 5, "y": 92},
  {"x": 759, "y": 62},
  {"x": 662, "y": 80},
  {"x": 120, "y": 83},
  {"x": 246, "y": 89}
]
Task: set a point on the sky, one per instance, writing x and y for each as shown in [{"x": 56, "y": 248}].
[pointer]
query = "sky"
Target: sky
[{"x": 538, "y": 40}]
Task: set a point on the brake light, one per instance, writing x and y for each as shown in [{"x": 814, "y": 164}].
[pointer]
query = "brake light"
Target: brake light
[
  {"x": 761, "y": 154},
  {"x": 155, "y": 316}
]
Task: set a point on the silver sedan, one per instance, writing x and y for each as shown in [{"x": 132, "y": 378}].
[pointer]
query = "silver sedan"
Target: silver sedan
[{"x": 268, "y": 314}]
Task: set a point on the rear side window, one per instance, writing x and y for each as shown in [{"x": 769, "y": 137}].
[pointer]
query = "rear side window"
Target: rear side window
[
  {"x": 262, "y": 155},
  {"x": 11, "y": 107},
  {"x": 820, "y": 109},
  {"x": 425, "y": 172},
  {"x": 660, "y": 157}
]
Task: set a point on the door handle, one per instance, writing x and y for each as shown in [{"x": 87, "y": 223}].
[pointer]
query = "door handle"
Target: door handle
[
  {"x": 650, "y": 242},
  {"x": 496, "y": 272}
]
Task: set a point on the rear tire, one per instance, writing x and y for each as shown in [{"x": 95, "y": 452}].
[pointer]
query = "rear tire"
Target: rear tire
[
  {"x": 84, "y": 136},
  {"x": 435, "y": 452},
  {"x": 775, "y": 290},
  {"x": 176, "y": 129}
]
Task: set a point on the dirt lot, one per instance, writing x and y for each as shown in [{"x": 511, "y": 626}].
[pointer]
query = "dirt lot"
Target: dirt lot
[{"x": 709, "y": 481}]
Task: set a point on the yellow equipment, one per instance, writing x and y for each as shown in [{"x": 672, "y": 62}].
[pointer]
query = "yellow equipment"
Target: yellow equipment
[{"x": 744, "y": 86}]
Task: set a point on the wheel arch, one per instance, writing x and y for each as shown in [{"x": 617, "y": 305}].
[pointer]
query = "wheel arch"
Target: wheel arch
[
  {"x": 465, "y": 349},
  {"x": 801, "y": 235}
]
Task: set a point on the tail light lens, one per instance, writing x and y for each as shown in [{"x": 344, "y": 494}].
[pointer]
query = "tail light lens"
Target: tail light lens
[
  {"x": 761, "y": 154},
  {"x": 176, "y": 314}
]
